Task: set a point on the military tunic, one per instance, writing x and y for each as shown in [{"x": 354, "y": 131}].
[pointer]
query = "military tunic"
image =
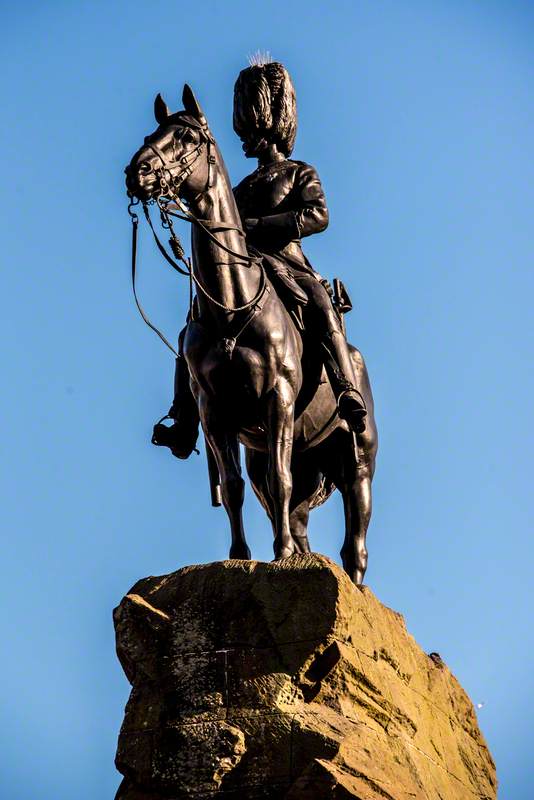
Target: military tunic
[{"x": 287, "y": 199}]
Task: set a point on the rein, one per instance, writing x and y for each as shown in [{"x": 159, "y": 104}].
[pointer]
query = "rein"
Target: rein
[
  {"x": 135, "y": 225},
  {"x": 170, "y": 191},
  {"x": 188, "y": 216},
  {"x": 178, "y": 251}
]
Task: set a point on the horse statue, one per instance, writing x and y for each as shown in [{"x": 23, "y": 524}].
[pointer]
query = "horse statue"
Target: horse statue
[{"x": 255, "y": 376}]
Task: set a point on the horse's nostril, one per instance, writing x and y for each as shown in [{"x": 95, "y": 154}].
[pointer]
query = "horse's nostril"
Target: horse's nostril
[{"x": 144, "y": 168}]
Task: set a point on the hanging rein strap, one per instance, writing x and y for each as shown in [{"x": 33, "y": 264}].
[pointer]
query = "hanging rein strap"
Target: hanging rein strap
[
  {"x": 135, "y": 225},
  {"x": 191, "y": 275},
  {"x": 253, "y": 306},
  {"x": 166, "y": 256}
]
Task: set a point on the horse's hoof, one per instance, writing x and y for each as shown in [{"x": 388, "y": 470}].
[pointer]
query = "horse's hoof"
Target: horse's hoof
[
  {"x": 355, "y": 571},
  {"x": 356, "y": 575},
  {"x": 240, "y": 552},
  {"x": 285, "y": 552}
]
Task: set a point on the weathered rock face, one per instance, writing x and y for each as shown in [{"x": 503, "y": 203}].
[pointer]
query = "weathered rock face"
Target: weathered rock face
[{"x": 284, "y": 680}]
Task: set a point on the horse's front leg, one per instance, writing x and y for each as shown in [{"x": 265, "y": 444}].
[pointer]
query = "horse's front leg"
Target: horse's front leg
[
  {"x": 280, "y": 424},
  {"x": 225, "y": 446}
]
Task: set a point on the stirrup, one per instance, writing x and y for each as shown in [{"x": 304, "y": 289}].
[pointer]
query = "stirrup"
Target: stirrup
[{"x": 180, "y": 439}]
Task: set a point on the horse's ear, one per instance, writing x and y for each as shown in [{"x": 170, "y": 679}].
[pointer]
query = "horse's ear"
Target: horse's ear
[
  {"x": 191, "y": 103},
  {"x": 161, "y": 110}
]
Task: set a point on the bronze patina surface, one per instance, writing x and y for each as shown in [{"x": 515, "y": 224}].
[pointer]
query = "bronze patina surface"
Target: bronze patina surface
[{"x": 263, "y": 359}]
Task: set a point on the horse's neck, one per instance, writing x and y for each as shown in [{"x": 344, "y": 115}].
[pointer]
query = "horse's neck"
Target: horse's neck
[{"x": 231, "y": 281}]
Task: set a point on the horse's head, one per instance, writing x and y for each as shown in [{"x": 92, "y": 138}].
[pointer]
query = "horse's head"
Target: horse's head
[{"x": 175, "y": 159}]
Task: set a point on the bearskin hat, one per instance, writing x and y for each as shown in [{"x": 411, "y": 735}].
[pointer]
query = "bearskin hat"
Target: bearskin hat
[{"x": 265, "y": 104}]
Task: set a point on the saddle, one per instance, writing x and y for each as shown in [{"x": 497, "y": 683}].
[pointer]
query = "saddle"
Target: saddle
[
  {"x": 283, "y": 281},
  {"x": 294, "y": 297}
]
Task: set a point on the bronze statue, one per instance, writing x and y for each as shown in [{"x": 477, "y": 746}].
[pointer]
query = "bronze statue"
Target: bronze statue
[{"x": 263, "y": 359}]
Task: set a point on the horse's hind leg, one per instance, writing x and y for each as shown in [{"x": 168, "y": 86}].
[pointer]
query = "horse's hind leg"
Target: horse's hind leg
[
  {"x": 306, "y": 481},
  {"x": 353, "y": 478},
  {"x": 357, "y": 501},
  {"x": 298, "y": 521},
  {"x": 299, "y": 510},
  {"x": 354, "y": 482}
]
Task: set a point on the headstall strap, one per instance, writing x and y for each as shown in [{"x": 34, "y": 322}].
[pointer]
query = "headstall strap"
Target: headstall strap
[{"x": 169, "y": 189}]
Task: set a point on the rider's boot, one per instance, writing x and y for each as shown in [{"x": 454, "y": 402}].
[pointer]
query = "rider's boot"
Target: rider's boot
[
  {"x": 181, "y": 437},
  {"x": 184, "y": 411},
  {"x": 351, "y": 405}
]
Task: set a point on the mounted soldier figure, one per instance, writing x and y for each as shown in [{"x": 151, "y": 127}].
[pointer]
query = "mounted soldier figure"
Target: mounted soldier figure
[
  {"x": 281, "y": 202},
  {"x": 263, "y": 360}
]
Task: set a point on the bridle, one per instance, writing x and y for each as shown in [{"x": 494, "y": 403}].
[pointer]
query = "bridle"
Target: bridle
[
  {"x": 174, "y": 181},
  {"x": 168, "y": 200}
]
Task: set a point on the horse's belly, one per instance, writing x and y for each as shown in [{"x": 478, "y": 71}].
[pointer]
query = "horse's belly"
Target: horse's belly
[{"x": 317, "y": 421}]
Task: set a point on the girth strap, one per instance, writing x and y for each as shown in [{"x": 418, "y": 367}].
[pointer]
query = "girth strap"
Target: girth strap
[{"x": 235, "y": 328}]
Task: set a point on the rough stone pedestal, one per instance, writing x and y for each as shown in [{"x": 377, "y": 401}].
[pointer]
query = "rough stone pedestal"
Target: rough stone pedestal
[{"x": 284, "y": 680}]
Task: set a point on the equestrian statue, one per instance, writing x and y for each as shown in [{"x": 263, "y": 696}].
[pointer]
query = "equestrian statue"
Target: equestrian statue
[{"x": 263, "y": 359}]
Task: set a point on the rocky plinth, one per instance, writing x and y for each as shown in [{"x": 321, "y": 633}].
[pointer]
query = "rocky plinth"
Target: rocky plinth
[{"x": 283, "y": 680}]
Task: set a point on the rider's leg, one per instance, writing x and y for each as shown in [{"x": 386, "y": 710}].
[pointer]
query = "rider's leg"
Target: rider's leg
[
  {"x": 338, "y": 362},
  {"x": 183, "y": 402},
  {"x": 183, "y": 433}
]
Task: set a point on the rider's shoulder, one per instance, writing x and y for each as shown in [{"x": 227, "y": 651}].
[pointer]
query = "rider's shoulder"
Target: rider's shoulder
[
  {"x": 290, "y": 168},
  {"x": 305, "y": 170},
  {"x": 246, "y": 180},
  {"x": 300, "y": 164},
  {"x": 297, "y": 165}
]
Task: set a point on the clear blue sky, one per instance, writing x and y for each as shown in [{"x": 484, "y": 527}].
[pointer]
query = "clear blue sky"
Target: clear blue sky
[{"x": 419, "y": 118}]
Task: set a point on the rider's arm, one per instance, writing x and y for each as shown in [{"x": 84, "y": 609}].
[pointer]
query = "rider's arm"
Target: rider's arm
[
  {"x": 308, "y": 214},
  {"x": 312, "y": 216}
]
